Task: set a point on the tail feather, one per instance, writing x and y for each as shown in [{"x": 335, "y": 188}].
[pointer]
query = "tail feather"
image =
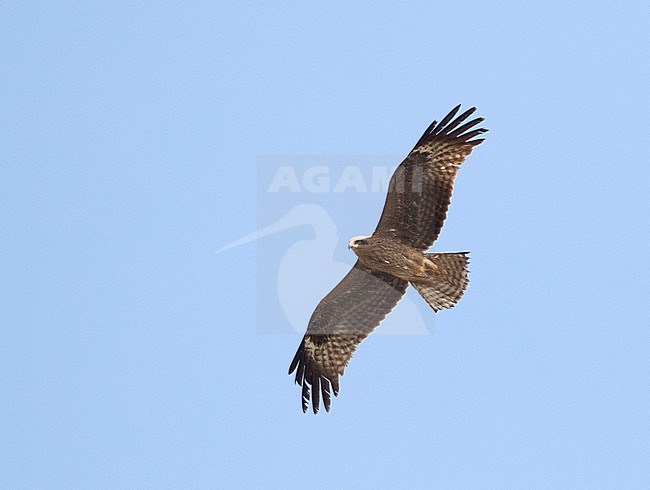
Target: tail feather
[{"x": 447, "y": 280}]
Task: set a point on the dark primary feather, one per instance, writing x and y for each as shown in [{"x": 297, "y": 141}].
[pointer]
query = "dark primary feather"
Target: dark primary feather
[
  {"x": 420, "y": 189},
  {"x": 343, "y": 318}
]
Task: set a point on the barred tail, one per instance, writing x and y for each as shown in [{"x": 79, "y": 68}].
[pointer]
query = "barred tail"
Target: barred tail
[{"x": 447, "y": 280}]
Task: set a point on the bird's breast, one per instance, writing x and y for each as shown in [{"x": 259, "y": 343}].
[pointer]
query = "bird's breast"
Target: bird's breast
[{"x": 393, "y": 258}]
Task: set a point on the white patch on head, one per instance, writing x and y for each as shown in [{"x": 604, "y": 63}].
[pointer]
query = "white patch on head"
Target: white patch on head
[{"x": 355, "y": 239}]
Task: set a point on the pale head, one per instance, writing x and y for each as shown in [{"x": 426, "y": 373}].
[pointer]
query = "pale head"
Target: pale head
[{"x": 358, "y": 241}]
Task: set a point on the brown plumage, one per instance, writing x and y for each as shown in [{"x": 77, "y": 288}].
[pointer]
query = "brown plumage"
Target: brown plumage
[{"x": 394, "y": 256}]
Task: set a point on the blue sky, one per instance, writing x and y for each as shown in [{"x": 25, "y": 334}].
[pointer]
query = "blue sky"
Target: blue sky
[{"x": 134, "y": 356}]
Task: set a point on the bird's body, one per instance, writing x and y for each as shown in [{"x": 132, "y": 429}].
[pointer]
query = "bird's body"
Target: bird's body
[
  {"x": 393, "y": 257},
  {"x": 389, "y": 255}
]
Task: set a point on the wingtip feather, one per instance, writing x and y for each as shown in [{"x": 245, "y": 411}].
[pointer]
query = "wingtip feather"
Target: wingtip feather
[
  {"x": 305, "y": 397},
  {"x": 446, "y": 119},
  {"x": 294, "y": 362},
  {"x": 325, "y": 391},
  {"x": 335, "y": 385}
]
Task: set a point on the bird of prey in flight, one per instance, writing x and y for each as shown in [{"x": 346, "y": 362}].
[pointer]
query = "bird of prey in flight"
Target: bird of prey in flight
[{"x": 392, "y": 257}]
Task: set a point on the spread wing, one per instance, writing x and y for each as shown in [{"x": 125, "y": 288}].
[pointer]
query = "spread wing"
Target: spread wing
[
  {"x": 420, "y": 189},
  {"x": 343, "y": 318}
]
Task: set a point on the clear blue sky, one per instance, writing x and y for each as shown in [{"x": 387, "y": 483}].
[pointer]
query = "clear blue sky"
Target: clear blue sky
[{"x": 133, "y": 356}]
